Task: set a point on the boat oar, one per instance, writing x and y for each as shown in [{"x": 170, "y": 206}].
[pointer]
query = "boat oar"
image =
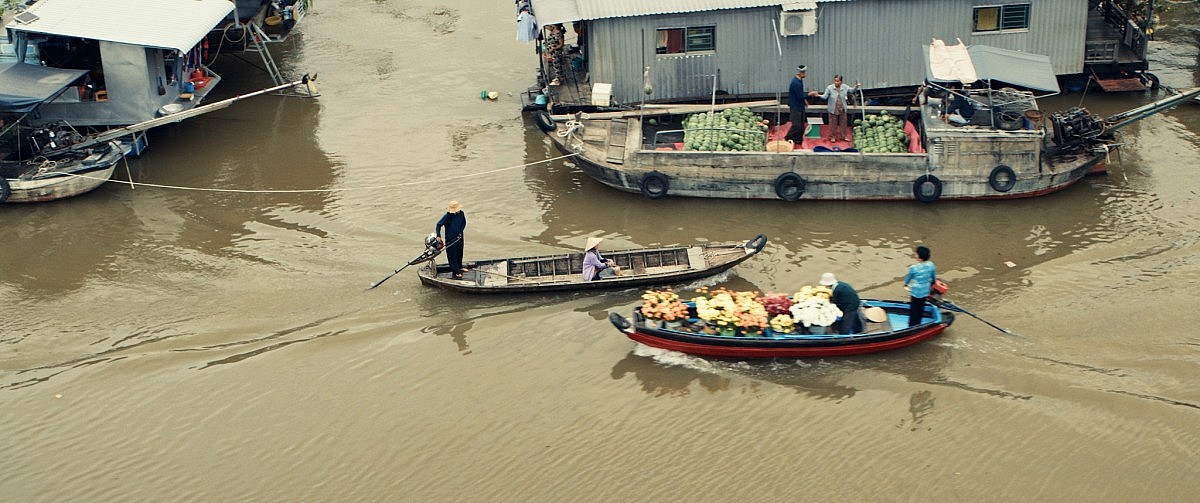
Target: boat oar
[
  {"x": 425, "y": 256},
  {"x": 397, "y": 271},
  {"x": 954, "y": 307}
]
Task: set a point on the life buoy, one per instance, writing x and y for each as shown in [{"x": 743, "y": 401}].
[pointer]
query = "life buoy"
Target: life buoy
[
  {"x": 757, "y": 243},
  {"x": 5, "y": 190},
  {"x": 655, "y": 185},
  {"x": 621, "y": 322},
  {"x": 789, "y": 186},
  {"x": 544, "y": 121},
  {"x": 1002, "y": 179},
  {"x": 927, "y": 188}
]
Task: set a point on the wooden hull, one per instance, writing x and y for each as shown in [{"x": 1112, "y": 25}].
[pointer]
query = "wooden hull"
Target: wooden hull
[
  {"x": 962, "y": 162},
  {"x": 60, "y": 178},
  {"x": 879, "y": 337},
  {"x": 562, "y": 272}
]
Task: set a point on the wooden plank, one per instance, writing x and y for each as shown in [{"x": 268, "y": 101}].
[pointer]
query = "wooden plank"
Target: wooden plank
[
  {"x": 651, "y": 110},
  {"x": 615, "y": 151},
  {"x": 663, "y": 269},
  {"x": 1117, "y": 85},
  {"x": 695, "y": 255},
  {"x": 495, "y": 274}
]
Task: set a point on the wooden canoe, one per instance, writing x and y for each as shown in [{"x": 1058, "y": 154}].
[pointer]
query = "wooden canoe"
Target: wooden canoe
[
  {"x": 692, "y": 339},
  {"x": 563, "y": 272},
  {"x": 66, "y": 175}
]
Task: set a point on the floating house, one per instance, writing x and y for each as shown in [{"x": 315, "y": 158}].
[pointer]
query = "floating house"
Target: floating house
[
  {"x": 694, "y": 49},
  {"x": 143, "y": 57},
  {"x": 253, "y": 25}
]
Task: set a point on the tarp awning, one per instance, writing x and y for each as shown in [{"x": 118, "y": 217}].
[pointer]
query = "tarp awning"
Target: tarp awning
[
  {"x": 149, "y": 23},
  {"x": 949, "y": 63},
  {"x": 24, "y": 86}
]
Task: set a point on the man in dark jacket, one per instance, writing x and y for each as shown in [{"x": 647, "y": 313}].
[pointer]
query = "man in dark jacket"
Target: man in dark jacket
[
  {"x": 455, "y": 223},
  {"x": 846, "y": 299},
  {"x": 797, "y": 106}
]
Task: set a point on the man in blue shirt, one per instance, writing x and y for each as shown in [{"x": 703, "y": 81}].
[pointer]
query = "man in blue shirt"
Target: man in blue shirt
[
  {"x": 797, "y": 106},
  {"x": 918, "y": 282}
]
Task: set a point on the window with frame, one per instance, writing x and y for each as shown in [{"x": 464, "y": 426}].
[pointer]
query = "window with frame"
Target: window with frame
[
  {"x": 685, "y": 40},
  {"x": 1001, "y": 18}
]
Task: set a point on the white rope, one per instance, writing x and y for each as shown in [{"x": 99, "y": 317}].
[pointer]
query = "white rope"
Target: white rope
[
  {"x": 572, "y": 126},
  {"x": 302, "y": 191}
]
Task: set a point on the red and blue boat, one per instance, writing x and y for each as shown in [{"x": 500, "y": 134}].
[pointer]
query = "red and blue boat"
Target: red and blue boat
[{"x": 891, "y": 333}]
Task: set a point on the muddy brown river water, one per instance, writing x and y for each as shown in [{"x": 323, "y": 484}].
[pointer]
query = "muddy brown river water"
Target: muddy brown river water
[{"x": 168, "y": 342}]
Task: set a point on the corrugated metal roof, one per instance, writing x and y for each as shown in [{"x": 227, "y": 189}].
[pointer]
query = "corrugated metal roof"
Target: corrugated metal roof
[
  {"x": 562, "y": 11},
  {"x": 168, "y": 24}
]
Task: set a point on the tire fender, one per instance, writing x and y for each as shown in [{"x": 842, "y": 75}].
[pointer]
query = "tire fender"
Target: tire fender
[
  {"x": 5, "y": 189},
  {"x": 790, "y": 186},
  {"x": 927, "y": 188},
  {"x": 1002, "y": 178},
  {"x": 622, "y": 323},
  {"x": 655, "y": 185},
  {"x": 544, "y": 121},
  {"x": 757, "y": 243}
]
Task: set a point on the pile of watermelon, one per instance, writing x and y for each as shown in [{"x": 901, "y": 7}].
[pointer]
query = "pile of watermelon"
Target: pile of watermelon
[
  {"x": 883, "y": 133},
  {"x": 732, "y": 129}
]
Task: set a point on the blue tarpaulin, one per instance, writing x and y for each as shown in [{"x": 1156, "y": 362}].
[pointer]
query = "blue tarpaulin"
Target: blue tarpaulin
[{"x": 24, "y": 86}]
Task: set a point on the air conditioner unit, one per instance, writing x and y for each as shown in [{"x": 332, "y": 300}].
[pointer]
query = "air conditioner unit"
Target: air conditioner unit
[{"x": 802, "y": 22}]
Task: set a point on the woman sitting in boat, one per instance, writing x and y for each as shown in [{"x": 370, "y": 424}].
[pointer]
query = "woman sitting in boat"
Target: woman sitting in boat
[
  {"x": 596, "y": 266},
  {"x": 960, "y": 110}
]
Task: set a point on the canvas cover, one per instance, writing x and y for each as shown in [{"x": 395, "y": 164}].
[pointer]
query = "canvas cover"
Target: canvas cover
[
  {"x": 951, "y": 63},
  {"x": 23, "y": 86}
]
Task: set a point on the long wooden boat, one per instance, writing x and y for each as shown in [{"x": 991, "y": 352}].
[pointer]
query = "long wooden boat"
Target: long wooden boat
[
  {"x": 563, "y": 272},
  {"x": 693, "y": 339},
  {"x": 67, "y": 174},
  {"x": 1006, "y": 151}
]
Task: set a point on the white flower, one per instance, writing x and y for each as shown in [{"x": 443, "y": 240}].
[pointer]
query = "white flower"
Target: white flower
[{"x": 815, "y": 311}]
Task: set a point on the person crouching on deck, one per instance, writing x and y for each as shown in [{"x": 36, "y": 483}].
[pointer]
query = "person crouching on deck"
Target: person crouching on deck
[{"x": 596, "y": 266}]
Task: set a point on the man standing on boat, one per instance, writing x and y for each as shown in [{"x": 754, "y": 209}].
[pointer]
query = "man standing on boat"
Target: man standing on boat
[
  {"x": 455, "y": 223},
  {"x": 837, "y": 95},
  {"x": 847, "y": 300},
  {"x": 797, "y": 106}
]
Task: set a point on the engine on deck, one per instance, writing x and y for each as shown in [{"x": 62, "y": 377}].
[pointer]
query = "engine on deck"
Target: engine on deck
[{"x": 1075, "y": 125}]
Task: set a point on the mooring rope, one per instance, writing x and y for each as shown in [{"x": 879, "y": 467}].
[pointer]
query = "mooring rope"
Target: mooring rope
[{"x": 305, "y": 191}]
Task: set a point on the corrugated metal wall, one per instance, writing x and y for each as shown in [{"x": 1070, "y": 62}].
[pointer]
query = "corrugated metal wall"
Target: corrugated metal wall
[{"x": 878, "y": 42}]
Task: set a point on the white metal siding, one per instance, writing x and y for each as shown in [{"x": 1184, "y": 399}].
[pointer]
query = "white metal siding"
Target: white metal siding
[{"x": 878, "y": 42}]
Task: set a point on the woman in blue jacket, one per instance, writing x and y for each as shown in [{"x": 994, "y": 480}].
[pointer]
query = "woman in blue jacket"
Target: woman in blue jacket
[{"x": 918, "y": 282}]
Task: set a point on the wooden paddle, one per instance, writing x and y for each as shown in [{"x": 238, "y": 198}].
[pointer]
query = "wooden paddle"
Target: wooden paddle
[{"x": 953, "y": 307}]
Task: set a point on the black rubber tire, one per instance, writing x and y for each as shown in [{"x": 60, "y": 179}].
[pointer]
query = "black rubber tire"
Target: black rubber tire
[
  {"x": 5, "y": 190},
  {"x": 927, "y": 196},
  {"x": 1002, "y": 178},
  {"x": 622, "y": 323},
  {"x": 757, "y": 243},
  {"x": 544, "y": 121},
  {"x": 790, "y": 186},
  {"x": 655, "y": 185}
]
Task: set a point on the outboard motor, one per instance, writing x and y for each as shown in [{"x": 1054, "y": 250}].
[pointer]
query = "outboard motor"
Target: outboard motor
[
  {"x": 432, "y": 243},
  {"x": 1074, "y": 125}
]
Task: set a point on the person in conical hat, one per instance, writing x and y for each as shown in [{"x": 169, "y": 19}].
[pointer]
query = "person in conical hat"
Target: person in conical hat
[
  {"x": 595, "y": 266},
  {"x": 845, "y": 298},
  {"x": 455, "y": 223}
]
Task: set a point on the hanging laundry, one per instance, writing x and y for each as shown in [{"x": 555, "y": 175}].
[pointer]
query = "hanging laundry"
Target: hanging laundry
[{"x": 527, "y": 29}]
